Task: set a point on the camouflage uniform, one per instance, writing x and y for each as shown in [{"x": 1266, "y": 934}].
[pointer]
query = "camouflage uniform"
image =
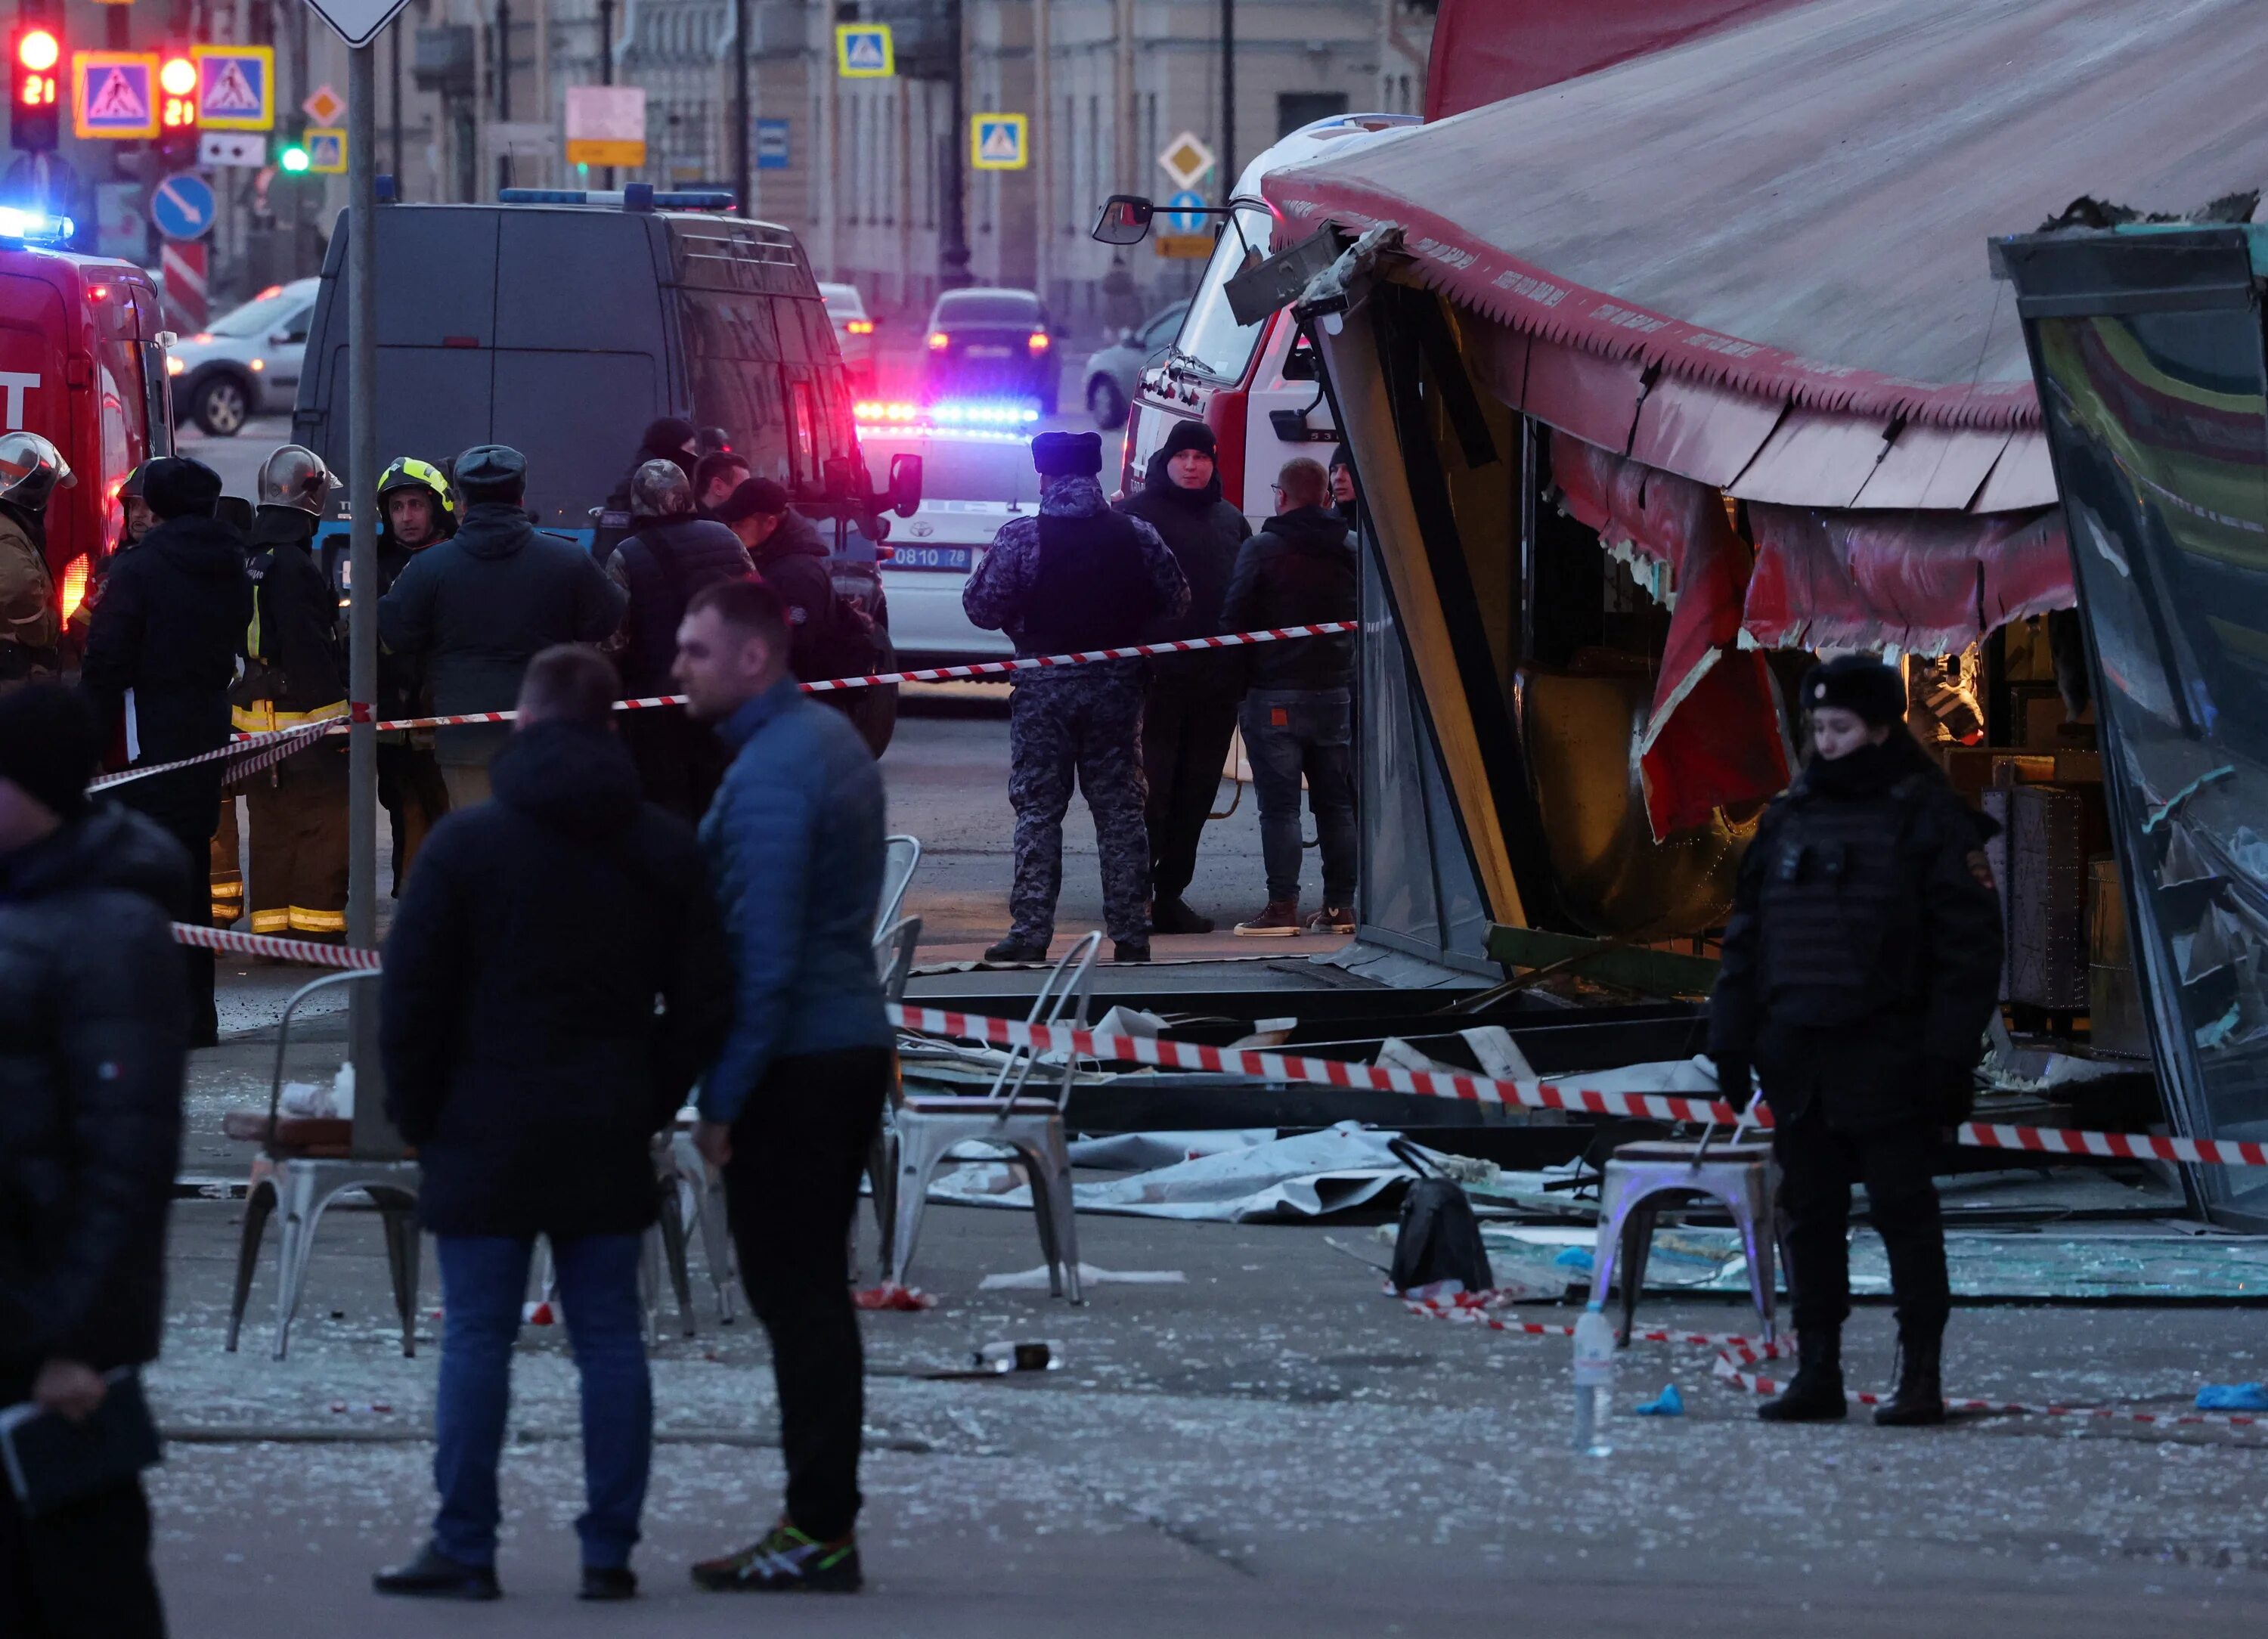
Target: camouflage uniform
[{"x": 1082, "y": 721}]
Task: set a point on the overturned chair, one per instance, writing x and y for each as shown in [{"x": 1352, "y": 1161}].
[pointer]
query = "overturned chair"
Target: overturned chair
[
  {"x": 923, "y": 1129},
  {"x": 305, "y": 1164},
  {"x": 1641, "y": 1178}
]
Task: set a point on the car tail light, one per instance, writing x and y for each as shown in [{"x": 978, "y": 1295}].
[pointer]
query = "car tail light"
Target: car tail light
[
  {"x": 1038, "y": 341},
  {"x": 75, "y": 578},
  {"x": 860, "y": 327},
  {"x": 939, "y": 341}
]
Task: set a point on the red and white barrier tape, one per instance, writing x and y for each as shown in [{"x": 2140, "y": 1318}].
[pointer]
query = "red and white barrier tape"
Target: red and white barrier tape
[
  {"x": 248, "y": 755},
  {"x": 314, "y": 953},
  {"x": 2127, "y": 1146},
  {"x": 360, "y": 710}
]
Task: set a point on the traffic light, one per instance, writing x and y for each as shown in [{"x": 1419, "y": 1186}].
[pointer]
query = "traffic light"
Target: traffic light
[
  {"x": 35, "y": 101},
  {"x": 177, "y": 107},
  {"x": 291, "y": 145}
]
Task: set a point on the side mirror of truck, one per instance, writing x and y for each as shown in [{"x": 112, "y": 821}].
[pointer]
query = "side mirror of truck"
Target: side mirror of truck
[
  {"x": 905, "y": 484},
  {"x": 1125, "y": 220}
]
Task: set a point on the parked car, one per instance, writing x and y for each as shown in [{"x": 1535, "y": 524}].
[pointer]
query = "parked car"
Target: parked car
[
  {"x": 247, "y": 361},
  {"x": 1114, "y": 372},
  {"x": 973, "y": 481},
  {"x": 987, "y": 342},
  {"x": 854, "y": 334}
]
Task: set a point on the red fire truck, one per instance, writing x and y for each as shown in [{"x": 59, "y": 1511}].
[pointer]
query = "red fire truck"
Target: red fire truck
[{"x": 83, "y": 362}]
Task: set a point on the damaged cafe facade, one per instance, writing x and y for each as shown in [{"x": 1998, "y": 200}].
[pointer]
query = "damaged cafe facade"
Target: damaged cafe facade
[{"x": 1665, "y": 380}]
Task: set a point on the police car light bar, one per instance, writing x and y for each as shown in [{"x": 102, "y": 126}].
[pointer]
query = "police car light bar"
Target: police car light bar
[
  {"x": 982, "y": 413},
  {"x": 36, "y": 227},
  {"x": 636, "y": 196}
]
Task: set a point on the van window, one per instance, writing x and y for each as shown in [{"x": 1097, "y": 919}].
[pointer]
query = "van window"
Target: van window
[{"x": 732, "y": 348}]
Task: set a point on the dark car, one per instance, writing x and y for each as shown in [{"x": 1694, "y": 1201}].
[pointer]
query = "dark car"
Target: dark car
[{"x": 992, "y": 343}]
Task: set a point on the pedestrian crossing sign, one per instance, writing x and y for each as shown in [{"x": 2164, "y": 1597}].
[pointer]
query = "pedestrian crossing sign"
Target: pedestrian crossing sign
[
  {"x": 863, "y": 51},
  {"x": 114, "y": 94},
  {"x": 326, "y": 151},
  {"x": 997, "y": 141},
  {"x": 236, "y": 87}
]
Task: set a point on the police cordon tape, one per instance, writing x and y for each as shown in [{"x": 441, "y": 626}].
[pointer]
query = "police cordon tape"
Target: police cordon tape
[
  {"x": 1734, "y": 1351},
  {"x": 271, "y": 747},
  {"x": 1167, "y": 1054}
]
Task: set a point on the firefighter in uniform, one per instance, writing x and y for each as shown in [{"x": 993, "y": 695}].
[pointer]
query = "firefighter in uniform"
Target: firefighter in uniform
[
  {"x": 1861, "y": 964},
  {"x": 1076, "y": 577},
  {"x": 31, "y": 470},
  {"x": 293, "y": 675}
]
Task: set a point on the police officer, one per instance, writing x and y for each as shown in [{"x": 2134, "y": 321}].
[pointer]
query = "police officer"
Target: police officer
[
  {"x": 1861, "y": 964},
  {"x": 295, "y": 674},
  {"x": 1076, "y": 577},
  {"x": 31, "y": 470},
  {"x": 415, "y": 511}
]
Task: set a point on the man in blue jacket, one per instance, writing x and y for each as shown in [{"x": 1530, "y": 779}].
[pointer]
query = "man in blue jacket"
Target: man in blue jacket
[{"x": 789, "y": 1110}]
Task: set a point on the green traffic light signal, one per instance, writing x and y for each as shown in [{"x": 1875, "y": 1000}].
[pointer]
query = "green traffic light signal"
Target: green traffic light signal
[{"x": 293, "y": 158}]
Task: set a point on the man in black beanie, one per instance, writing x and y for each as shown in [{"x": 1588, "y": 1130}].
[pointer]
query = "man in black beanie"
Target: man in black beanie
[
  {"x": 1861, "y": 964},
  {"x": 1077, "y": 577},
  {"x": 160, "y": 655},
  {"x": 94, "y": 1036},
  {"x": 1190, "y": 717}
]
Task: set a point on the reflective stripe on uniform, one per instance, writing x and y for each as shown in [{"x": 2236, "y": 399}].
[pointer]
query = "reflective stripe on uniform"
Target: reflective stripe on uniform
[
  {"x": 317, "y": 921},
  {"x": 271, "y": 922},
  {"x": 262, "y": 718}
]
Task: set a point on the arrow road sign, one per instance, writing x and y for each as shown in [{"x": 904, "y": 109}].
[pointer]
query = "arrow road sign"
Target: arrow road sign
[
  {"x": 182, "y": 205},
  {"x": 114, "y": 94},
  {"x": 236, "y": 87},
  {"x": 864, "y": 51},
  {"x": 357, "y": 21},
  {"x": 997, "y": 141},
  {"x": 1185, "y": 159},
  {"x": 1182, "y": 215}
]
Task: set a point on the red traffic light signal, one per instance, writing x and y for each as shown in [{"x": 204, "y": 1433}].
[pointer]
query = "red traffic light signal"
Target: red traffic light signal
[
  {"x": 35, "y": 103},
  {"x": 177, "y": 81}
]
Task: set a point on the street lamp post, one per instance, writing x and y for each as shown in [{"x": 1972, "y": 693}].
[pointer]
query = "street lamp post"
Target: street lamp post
[
  {"x": 743, "y": 185},
  {"x": 1227, "y": 98},
  {"x": 953, "y": 221}
]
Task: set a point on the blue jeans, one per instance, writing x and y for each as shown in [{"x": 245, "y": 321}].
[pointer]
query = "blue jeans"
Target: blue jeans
[
  {"x": 483, "y": 1280},
  {"x": 1288, "y": 733}
]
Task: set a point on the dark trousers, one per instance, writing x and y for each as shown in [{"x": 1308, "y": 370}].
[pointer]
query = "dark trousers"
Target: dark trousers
[
  {"x": 483, "y": 1277},
  {"x": 411, "y": 788},
  {"x": 1186, "y": 725},
  {"x": 81, "y": 1572},
  {"x": 188, "y": 804},
  {"x": 1818, "y": 1165},
  {"x": 1087, "y": 729},
  {"x": 679, "y": 762},
  {"x": 1289, "y": 734},
  {"x": 299, "y": 815},
  {"x": 799, "y": 1150}
]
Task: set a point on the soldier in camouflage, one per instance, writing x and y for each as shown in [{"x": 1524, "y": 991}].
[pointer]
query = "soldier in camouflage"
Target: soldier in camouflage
[{"x": 1077, "y": 577}]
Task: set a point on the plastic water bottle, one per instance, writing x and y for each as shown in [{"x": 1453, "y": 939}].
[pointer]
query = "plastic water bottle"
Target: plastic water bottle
[{"x": 1594, "y": 1381}]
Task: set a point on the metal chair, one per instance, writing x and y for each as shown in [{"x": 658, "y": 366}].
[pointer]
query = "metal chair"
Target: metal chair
[
  {"x": 901, "y": 854},
  {"x": 923, "y": 1129},
  {"x": 1639, "y": 1179},
  {"x": 305, "y": 1166}
]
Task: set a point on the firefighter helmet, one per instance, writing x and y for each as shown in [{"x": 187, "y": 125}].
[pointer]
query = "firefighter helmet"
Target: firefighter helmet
[
  {"x": 660, "y": 490},
  {"x": 294, "y": 476},
  {"x": 129, "y": 488},
  {"x": 31, "y": 470}
]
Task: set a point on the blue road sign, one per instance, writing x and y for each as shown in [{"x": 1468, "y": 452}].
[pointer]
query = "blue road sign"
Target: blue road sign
[
  {"x": 773, "y": 151},
  {"x": 1180, "y": 217},
  {"x": 182, "y": 206}
]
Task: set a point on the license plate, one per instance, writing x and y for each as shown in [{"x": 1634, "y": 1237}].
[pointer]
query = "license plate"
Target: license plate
[
  {"x": 988, "y": 352},
  {"x": 957, "y": 558}
]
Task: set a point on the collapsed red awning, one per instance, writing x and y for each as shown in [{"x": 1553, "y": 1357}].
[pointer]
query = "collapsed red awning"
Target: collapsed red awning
[{"x": 1486, "y": 50}]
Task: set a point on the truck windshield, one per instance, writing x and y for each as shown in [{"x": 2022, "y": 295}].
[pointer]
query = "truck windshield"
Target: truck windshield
[
  {"x": 264, "y": 311},
  {"x": 1210, "y": 338}
]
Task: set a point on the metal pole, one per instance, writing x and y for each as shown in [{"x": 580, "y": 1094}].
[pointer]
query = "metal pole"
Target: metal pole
[
  {"x": 373, "y": 1132},
  {"x": 953, "y": 255},
  {"x": 742, "y": 179},
  {"x": 1227, "y": 98},
  {"x": 503, "y": 87},
  {"x": 393, "y": 31},
  {"x": 1044, "y": 151},
  {"x": 606, "y": 68}
]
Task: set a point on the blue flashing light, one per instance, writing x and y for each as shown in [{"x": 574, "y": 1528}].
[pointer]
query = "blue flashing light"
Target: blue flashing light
[
  {"x": 982, "y": 413},
  {"x": 34, "y": 227},
  {"x": 636, "y": 196},
  {"x": 554, "y": 196},
  {"x": 694, "y": 199},
  {"x": 382, "y": 188}
]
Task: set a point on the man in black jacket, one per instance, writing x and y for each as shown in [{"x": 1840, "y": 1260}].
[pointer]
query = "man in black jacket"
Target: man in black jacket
[
  {"x": 719, "y": 473},
  {"x": 160, "y": 659},
  {"x": 1299, "y": 719},
  {"x": 1189, "y": 716},
  {"x": 295, "y": 674},
  {"x": 1861, "y": 964},
  {"x": 555, "y": 978},
  {"x": 416, "y": 510},
  {"x": 485, "y": 602},
  {"x": 673, "y": 556},
  {"x": 94, "y": 1036}
]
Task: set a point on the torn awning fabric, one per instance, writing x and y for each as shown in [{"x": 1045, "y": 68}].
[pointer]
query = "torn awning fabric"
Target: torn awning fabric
[{"x": 1713, "y": 737}]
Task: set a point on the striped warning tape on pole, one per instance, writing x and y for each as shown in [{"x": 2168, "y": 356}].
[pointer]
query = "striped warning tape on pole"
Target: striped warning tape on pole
[{"x": 314, "y": 952}]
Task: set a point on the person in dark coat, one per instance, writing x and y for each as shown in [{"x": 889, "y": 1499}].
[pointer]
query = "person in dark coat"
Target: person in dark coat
[
  {"x": 528, "y": 1060},
  {"x": 93, "y": 1040},
  {"x": 719, "y": 473},
  {"x": 1345, "y": 499},
  {"x": 1861, "y": 964},
  {"x": 1189, "y": 716},
  {"x": 673, "y": 555},
  {"x": 160, "y": 655},
  {"x": 416, "y": 510},
  {"x": 485, "y": 602},
  {"x": 788, "y": 553},
  {"x": 1298, "y": 718}
]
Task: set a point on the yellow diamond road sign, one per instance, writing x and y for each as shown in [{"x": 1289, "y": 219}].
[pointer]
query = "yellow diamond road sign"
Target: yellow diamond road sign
[
  {"x": 864, "y": 51},
  {"x": 997, "y": 141},
  {"x": 324, "y": 106},
  {"x": 1185, "y": 159}
]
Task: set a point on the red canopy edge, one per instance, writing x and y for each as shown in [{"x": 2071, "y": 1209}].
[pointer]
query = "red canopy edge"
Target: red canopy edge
[{"x": 1492, "y": 281}]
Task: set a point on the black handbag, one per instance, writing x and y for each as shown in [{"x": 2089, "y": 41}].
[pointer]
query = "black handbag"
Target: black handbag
[{"x": 1439, "y": 1239}]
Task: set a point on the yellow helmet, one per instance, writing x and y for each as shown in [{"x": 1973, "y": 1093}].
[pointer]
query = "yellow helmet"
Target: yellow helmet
[{"x": 408, "y": 473}]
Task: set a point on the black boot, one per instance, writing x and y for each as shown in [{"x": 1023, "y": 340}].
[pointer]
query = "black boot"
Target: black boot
[
  {"x": 1817, "y": 1395},
  {"x": 1919, "y": 1402}
]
